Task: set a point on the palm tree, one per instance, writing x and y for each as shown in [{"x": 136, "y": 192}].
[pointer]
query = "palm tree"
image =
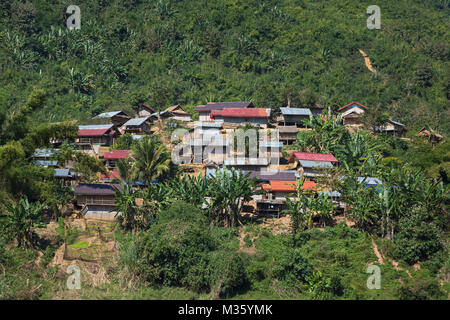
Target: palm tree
[{"x": 151, "y": 160}]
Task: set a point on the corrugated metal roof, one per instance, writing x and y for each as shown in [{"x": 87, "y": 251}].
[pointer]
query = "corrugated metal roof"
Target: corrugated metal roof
[
  {"x": 288, "y": 129},
  {"x": 270, "y": 144},
  {"x": 63, "y": 173},
  {"x": 39, "y": 153},
  {"x": 313, "y": 156},
  {"x": 397, "y": 123},
  {"x": 116, "y": 154},
  {"x": 136, "y": 121},
  {"x": 242, "y": 113},
  {"x": 96, "y": 126},
  {"x": 46, "y": 163},
  {"x": 288, "y": 175},
  {"x": 315, "y": 164},
  {"x": 222, "y": 105},
  {"x": 286, "y": 186},
  {"x": 295, "y": 111},
  {"x": 96, "y": 189},
  {"x": 208, "y": 124},
  {"x": 109, "y": 114},
  {"x": 246, "y": 161}
]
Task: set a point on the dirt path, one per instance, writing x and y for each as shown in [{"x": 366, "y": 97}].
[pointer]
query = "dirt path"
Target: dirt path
[
  {"x": 242, "y": 246},
  {"x": 377, "y": 253},
  {"x": 367, "y": 61},
  {"x": 381, "y": 260}
]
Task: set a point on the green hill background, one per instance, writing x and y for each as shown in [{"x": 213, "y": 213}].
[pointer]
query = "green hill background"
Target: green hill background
[{"x": 190, "y": 52}]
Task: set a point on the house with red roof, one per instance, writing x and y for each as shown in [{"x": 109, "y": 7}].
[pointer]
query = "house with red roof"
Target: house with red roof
[
  {"x": 113, "y": 156},
  {"x": 310, "y": 165},
  {"x": 351, "y": 113},
  {"x": 205, "y": 110},
  {"x": 255, "y": 116},
  {"x": 96, "y": 135},
  {"x": 273, "y": 200}
]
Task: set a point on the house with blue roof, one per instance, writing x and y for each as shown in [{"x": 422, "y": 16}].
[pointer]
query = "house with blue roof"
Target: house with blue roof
[{"x": 293, "y": 116}]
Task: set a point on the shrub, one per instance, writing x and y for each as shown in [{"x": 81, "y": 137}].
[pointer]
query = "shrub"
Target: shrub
[
  {"x": 417, "y": 239},
  {"x": 292, "y": 268}
]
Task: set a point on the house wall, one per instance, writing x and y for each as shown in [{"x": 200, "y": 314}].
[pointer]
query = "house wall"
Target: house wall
[
  {"x": 97, "y": 140},
  {"x": 99, "y": 200},
  {"x": 204, "y": 116},
  {"x": 293, "y": 120}
]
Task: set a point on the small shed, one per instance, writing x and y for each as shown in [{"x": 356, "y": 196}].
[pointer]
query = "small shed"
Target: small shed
[
  {"x": 137, "y": 125},
  {"x": 287, "y": 134},
  {"x": 293, "y": 116},
  {"x": 145, "y": 110},
  {"x": 393, "y": 128},
  {"x": 351, "y": 113},
  {"x": 117, "y": 118}
]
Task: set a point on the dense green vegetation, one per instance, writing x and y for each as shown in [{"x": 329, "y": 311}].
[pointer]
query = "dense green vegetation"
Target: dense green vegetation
[
  {"x": 165, "y": 52},
  {"x": 186, "y": 237}
]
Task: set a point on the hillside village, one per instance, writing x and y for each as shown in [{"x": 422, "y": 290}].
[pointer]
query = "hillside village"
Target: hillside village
[{"x": 275, "y": 174}]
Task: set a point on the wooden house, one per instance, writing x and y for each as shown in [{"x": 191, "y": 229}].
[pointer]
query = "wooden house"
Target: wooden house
[
  {"x": 44, "y": 158},
  {"x": 270, "y": 150},
  {"x": 393, "y": 128},
  {"x": 293, "y": 116},
  {"x": 175, "y": 112},
  {"x": 117, "y": 118},
  {"x": 99, "y": 135},
  {"x": 255, "y": 116},
  {"x": 246, "y": 164},
  {"x": 430, "y": 134},
  {"x": 111, "y": 158},
  {"x": 287, "y": 134},
  {"x": 213, "y": 149},
  {"x": 97, "y": 200},
  {"x": 65, "y": 175},
  {"x": 137, "y": 125},
  {"x": 205, "y": 110},
  {"x": 145, "y": 111},
  {"x": 311, "y": 165},
  {"x": 351, "y": 113},
  {"x": 273, "y": 201}
]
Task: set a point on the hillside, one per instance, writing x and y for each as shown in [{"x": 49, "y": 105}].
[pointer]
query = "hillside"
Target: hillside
[{"x": 190, "y": 52}]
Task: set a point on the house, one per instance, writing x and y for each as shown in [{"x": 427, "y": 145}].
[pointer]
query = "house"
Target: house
[
  {"x": 205, "y": 110},
  {"x": 429, "y": 133},
  {"x": 335, "y": 197},
  {"x": 311, "y": 165},
  {"x": 96, "y": 135},
  {"x": 175, "y": 112},
  {"x": 117, "y": 118},
  {"x": 351, "y": 113},
  {"x": 247, "y": 164},
  {"x": 209, "y": 148},
  {"x": 109, "y": 177},
  {"x": 316, "y": 109},
  {"x": 266, "y": 176},
  {"x": 255, "y": 116},
  {"x": 270, "y": 150},
  {"x": 97, "y": 200},
  {"x": 137, "y": 125},
  {"x": 65, "y": 174},
  {"x": 392, "y": 127},
  {"x": 273, "y": 200},
  {"x": 112, "y": 157},
  {"x": 145, "y": 111},
  {"x": 44, "y": 158},
  {"x": 293, "y": 116},
  {"x": 287, "y": 134}
]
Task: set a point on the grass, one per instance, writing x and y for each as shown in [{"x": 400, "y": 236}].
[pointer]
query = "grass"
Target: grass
[{"x": 79, "y": 245}]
